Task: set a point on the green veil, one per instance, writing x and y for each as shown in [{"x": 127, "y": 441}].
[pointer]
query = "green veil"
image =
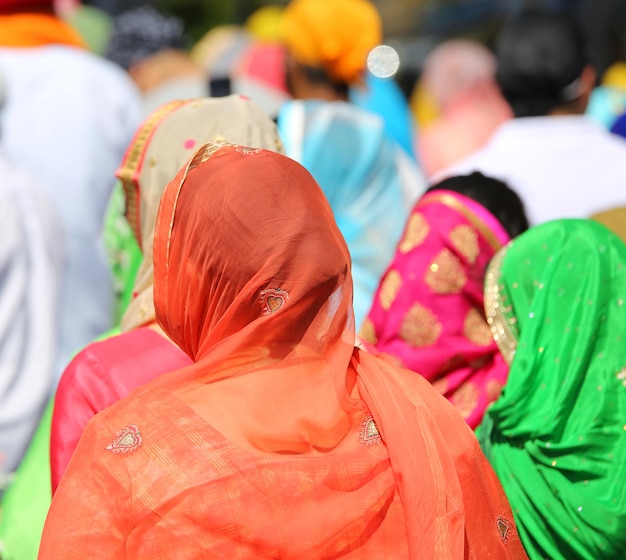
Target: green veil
[{"x": 556, "y": 302}]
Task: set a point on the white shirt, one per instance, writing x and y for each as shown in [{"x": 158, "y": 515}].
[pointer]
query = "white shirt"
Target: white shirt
[
  {"x": 29, "y": 283},
  {"x": 561, "y": 166},
  {"x": 68, "y": 119}
]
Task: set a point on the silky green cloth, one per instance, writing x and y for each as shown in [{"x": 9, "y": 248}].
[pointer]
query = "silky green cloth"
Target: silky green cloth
[
  {"x": 556, "y": 437},
  {"x": 26, "y": 502},
  {"x": 122, "y": 250}
]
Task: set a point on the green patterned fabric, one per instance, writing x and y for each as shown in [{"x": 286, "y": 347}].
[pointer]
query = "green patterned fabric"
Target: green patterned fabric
[
  {"x": 556, "y": 302},
  {"x": 122, "y": 250}
]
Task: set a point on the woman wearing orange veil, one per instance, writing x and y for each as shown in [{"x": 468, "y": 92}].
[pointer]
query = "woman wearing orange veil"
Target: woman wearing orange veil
[{"x": 282, "y": 440}]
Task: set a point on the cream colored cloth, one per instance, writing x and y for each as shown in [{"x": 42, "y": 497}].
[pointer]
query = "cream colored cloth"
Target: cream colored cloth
[{"x": 162, "y": 145}]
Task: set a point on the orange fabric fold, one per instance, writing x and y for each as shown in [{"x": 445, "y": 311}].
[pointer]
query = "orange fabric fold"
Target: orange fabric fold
[
  {"x": 439, "y": 468},
  {"x": 266, "y": 446},
  {"x": 36, "y": 30}
]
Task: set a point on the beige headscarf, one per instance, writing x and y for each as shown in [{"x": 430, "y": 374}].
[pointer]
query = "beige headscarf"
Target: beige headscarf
[{"x": 162, "y": 144}]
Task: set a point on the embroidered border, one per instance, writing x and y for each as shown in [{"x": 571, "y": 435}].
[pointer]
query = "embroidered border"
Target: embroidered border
[{"x": 499, "y": 317}]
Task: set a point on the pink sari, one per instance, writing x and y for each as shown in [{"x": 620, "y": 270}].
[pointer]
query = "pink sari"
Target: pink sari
[{"x": 427, "y": 313}]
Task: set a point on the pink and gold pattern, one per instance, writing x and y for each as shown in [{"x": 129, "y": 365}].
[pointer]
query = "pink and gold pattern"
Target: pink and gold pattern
[
  {"x": 465, "y": 398},
  {"x": 465, "y": 240},
  {"x": 428, "y": 310},
  {"x": 420, "y": 327},
  {"x": 368, "y": 332},
  {"x": 416, "y": 231},
  {"x": 494, "y": 388},
  {"x": 446, "y": 275},
  {"x": 476, "y": 329},
  {"x": 389, "y": 288}
]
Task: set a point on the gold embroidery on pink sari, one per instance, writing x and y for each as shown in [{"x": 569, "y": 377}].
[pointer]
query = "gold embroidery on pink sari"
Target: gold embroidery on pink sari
[
  {"x": 476, "y": 329},
  {"x": 445, "y": 275},
  {"x": 368, "y": 332},
  {"x": 420, "y": 327},
  {"x": 389, "y": 289},
  {"x": 465, "y": 398},
  {"x": 416, "y": 231},
  {"x": 465, "y": 240}
]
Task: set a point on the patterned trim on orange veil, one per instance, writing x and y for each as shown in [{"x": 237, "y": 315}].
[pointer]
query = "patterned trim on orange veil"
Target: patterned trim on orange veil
[{"x": 203, "y": 153}]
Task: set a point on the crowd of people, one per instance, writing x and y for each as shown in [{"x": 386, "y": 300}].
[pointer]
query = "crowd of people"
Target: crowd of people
[{"x": 256, "y": 302}]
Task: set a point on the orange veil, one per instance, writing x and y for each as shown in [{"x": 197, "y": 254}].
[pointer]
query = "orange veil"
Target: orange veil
[
  {"x": 274, "y": 336},
  {"x": 252, "y": 280}
]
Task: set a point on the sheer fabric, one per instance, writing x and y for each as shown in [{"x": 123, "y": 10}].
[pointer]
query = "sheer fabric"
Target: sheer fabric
[
  {"x": 165, "y": 140},
  {"x": 105, "y": 372},
  {"x": 264, "y": 448},
  {"x": 428, "y": 310},
  {"x": 555, "y": 299},
  {"x": 100, "y": 375}
]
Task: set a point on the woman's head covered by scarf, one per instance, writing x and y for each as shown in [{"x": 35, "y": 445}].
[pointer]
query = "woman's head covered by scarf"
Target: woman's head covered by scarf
[
  {"x": 162, "y": 144},
  {"x": 247, "y": 253},
  {"x": 555, "y": 298},
  {"x": 335, "y": 37},
  {"x": 428, "y": 310}
]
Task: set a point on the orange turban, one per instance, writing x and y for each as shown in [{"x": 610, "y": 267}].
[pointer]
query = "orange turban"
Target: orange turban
[{"x": 336, "y": 35}]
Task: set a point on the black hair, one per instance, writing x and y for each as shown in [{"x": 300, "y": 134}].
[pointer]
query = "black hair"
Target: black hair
[
  {"x": 319, "y": 76},
  {"x": 142, "y": 32},
  {"x": 494, "y": 195},
  {"x": 540, "y": 58}
]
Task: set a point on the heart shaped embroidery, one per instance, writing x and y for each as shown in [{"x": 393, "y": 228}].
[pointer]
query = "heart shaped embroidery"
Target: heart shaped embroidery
[
  {"x": 369, "y": 433},
  {"x": 272, "y": 300},
  {"x": 128, "y": 439},
  {"x": 504, "y": 527}
]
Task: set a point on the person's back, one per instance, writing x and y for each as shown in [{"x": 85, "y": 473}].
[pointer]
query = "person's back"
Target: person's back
[
  {"x": 106, "y": 371},
  {"x": 68, "y": 119},
  {"x": 555, "y": 301},
  {"x": 560, "y": 162},
  {"x": 427, "y": 313},
  {"x": 282, "y": 440},
  {"x": 29, "y": 282}
]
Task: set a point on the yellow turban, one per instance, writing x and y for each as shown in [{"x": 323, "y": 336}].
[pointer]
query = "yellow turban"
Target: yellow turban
[{"x": 336, "y": 35}]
